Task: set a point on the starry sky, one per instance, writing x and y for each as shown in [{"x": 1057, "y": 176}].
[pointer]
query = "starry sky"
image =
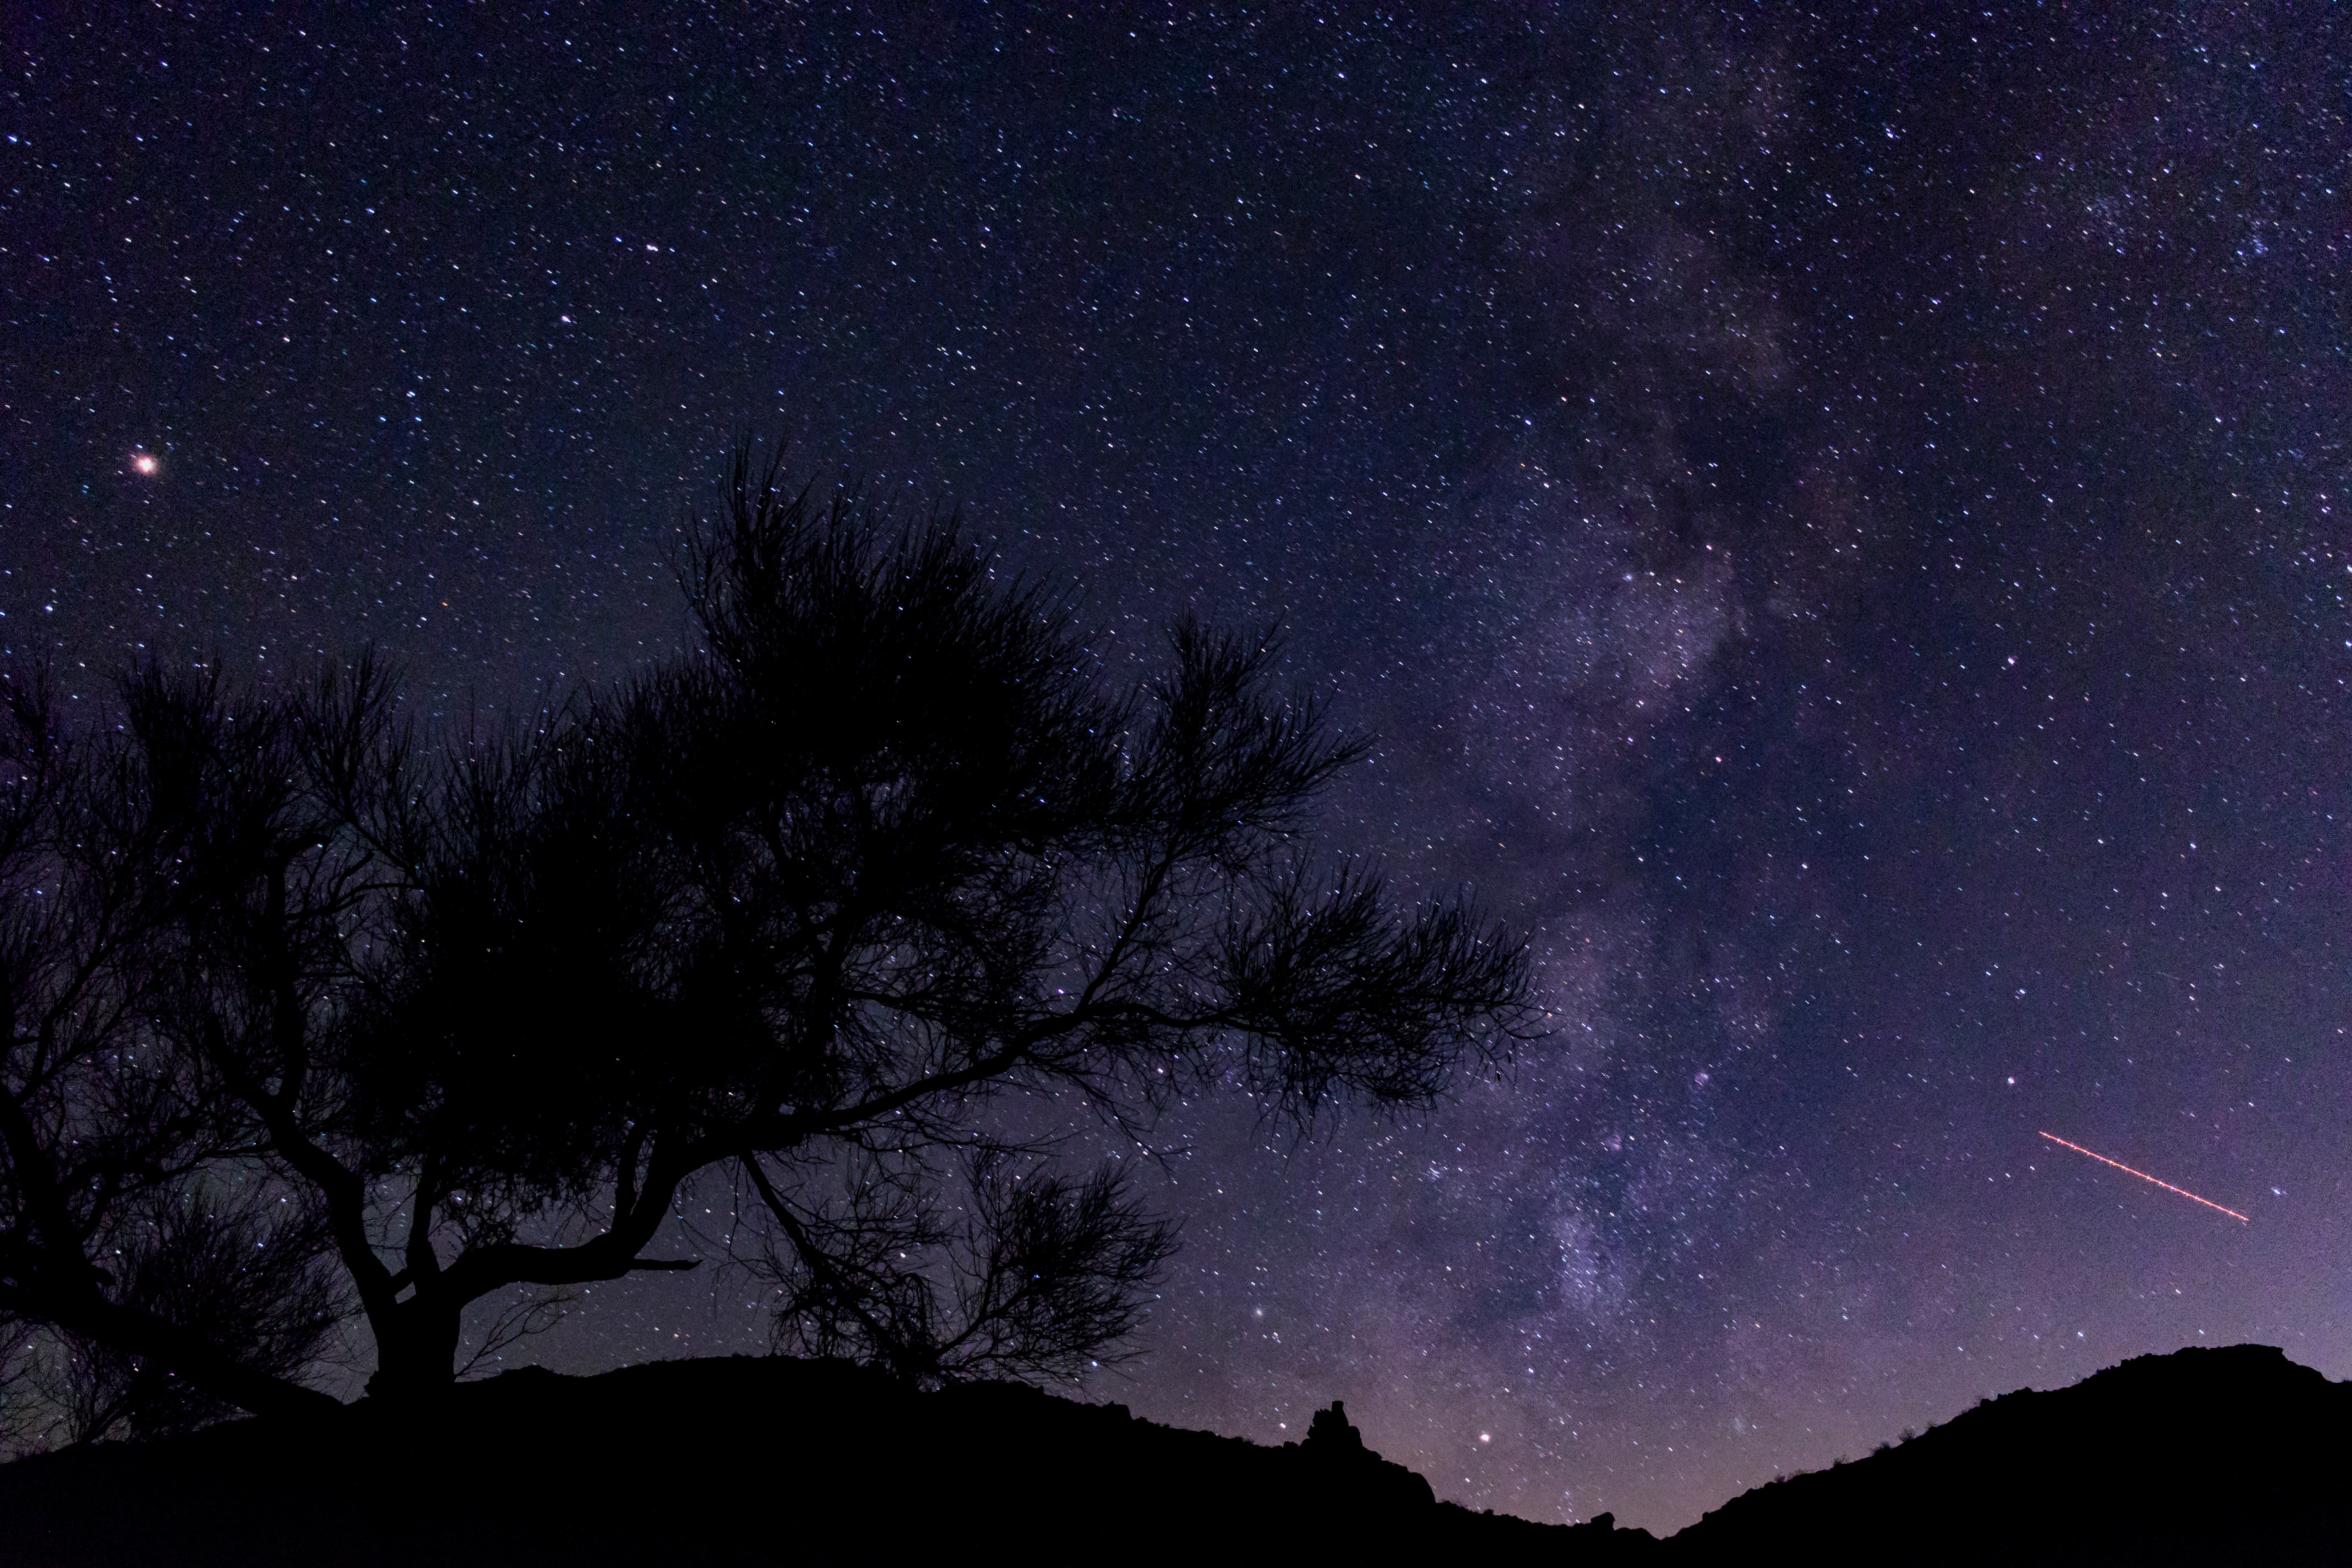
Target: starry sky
[{"x": 1839, "y": 522}]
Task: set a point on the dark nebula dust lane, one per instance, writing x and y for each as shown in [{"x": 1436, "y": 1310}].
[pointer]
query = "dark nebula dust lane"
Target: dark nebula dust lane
[{"x": 1838, "y": 522}]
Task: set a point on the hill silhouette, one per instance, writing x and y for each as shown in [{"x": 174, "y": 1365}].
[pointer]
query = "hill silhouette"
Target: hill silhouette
[
  {"x": 2203, "y": 1456},
  {"x": 748, "y": 1460},
  {"x": 2234, "y": 1454}
]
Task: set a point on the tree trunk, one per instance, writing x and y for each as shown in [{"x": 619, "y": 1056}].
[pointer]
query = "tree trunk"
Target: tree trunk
[{"x": 418, "y": 1358}]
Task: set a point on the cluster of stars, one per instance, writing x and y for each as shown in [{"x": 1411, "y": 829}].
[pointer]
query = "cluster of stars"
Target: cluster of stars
[{"x": 1816, "y": 511}]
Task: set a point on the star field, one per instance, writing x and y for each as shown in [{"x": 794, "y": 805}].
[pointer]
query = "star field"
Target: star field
[{"x": 1839, "y": 523}]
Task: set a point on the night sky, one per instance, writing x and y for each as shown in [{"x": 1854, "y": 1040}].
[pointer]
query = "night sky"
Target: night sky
[{"x": 1840, "y": 524}]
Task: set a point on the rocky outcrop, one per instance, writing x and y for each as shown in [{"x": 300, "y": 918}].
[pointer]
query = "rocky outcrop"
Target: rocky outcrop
[{"x": 1353, "y": 1477}]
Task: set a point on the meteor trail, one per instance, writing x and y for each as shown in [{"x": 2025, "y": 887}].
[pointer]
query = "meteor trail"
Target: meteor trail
[{"x": 2144, "y": 1176}]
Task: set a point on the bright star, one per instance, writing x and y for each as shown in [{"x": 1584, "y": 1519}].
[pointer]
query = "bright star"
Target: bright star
[{"x": 144, "y": 462}]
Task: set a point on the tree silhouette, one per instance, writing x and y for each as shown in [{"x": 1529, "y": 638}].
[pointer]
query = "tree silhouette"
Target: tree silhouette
[
  {"x": 1041, "y": 1276},
  {"x": 146, "y": 1227},
  {"x": 795, "y": 911},
  {"x": 245, "y": 1269}
]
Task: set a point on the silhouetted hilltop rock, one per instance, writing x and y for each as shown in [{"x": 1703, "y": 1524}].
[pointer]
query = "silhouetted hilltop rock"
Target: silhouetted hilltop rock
[
  {"x": 750, "y": 1460},
  {"x": 2200, "y": 1456},
  {"x": 1353, "y": 1477}
]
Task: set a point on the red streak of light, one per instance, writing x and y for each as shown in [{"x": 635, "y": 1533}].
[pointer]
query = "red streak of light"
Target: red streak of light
[{"x": 2144, "y": 1176}]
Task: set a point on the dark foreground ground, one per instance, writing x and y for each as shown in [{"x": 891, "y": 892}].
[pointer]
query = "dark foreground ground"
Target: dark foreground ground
[
  {"x": 2208, "y": 1457},
  {"x": 745, "y": 1461},
  {"x": 2204, "y": 1456}
]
